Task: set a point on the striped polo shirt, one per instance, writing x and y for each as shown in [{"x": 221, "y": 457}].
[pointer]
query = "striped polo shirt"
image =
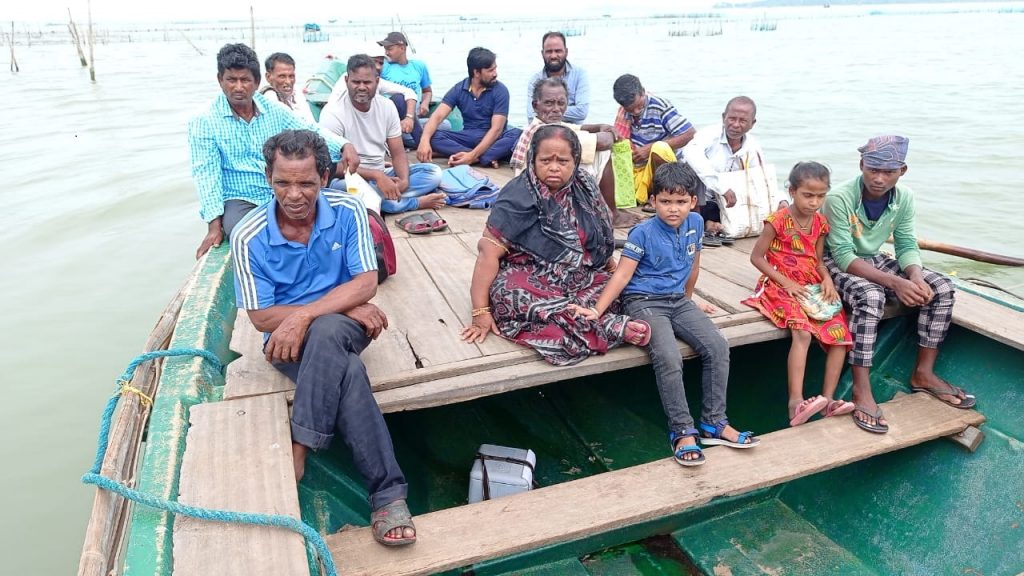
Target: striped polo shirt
[{"x": 659, "y": 120}]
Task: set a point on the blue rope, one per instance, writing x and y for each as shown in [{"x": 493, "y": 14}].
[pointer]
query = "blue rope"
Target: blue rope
[{"x": 94, "y": 477}]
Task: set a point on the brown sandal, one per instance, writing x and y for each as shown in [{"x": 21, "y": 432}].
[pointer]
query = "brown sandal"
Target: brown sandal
[{"x": 387, "y": 518}]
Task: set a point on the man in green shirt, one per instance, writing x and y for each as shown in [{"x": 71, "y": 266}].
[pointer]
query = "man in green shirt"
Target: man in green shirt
[{"x": 862, "y": 213}]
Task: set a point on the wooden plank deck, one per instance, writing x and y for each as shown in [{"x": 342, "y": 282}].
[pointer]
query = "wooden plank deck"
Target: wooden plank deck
[
  {"x": 238, "y": 457},
  {"x": 420, "y": 361},
  {"x": 461, "y": 536}
]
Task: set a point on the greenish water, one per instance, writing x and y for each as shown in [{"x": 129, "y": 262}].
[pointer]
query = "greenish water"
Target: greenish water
[{"x": 100, "y": 219}]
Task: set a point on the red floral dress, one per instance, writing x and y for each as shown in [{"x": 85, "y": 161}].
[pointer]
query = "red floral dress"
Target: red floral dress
[{"x": 792, "y": 253}]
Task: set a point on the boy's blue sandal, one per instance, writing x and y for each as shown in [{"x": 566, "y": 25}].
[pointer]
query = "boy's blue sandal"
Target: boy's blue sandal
[
  {"x": 711, "y": 435},
  {"x": 680, "y": 453}
]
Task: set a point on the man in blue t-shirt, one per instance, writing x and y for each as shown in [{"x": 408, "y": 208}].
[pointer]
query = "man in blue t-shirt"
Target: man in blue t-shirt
[
  {"x": 656, "y": 276},
  {"x": 412, "y": 74},
  {"x": 305, "y": 271},
  {"x": 483, "y": 102}
]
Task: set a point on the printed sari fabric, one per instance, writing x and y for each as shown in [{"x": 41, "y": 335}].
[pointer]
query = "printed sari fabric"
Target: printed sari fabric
[
  {"x": 559, "y": 242},
  {"x": 792, "y": 253}
]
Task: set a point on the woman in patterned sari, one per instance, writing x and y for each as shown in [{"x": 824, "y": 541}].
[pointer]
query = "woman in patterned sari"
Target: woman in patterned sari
[{"x": 548, "y": 243}]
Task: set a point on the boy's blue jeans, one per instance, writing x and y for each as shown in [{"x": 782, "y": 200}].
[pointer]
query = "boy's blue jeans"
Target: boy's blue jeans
[
  {"x": 332, "y": 393},
  {"x": 672, "y": 316}
]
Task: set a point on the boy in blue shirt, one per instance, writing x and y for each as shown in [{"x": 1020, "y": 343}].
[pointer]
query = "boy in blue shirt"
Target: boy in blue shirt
[{"x": 656, "y": 275}]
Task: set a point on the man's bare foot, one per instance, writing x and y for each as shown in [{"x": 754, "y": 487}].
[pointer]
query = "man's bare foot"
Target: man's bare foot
[
  {"x": 432, "y": 201},
  {"x": 712, "y": 227},
  {"x": 872, "y": 408},
  {"x": 299, "y": 460},
  {"x": 922, "y": 379},
  {"x": 494, "y": 164},
  {"x": 625, "y": 219}
]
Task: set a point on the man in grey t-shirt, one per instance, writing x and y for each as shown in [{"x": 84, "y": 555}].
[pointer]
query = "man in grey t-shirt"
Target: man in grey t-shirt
[{"x": 371, "y": 123}]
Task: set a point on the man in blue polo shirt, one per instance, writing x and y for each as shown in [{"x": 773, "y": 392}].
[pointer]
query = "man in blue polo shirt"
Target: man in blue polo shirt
[
  {"x": 305, "y": 271},
  {"x": 225, "y": 143},
  {"x": 483, "y": 102}
]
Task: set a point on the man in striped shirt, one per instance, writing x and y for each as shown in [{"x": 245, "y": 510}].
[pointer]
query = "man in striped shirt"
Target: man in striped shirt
[
  {"x": 226, "y": 140},
  {"x": 305, "y": 271},
  {"x": 656, "y": 129}
]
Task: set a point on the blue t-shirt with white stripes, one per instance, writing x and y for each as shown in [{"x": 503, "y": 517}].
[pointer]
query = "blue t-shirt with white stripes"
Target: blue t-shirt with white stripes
[{"x": 271, "y": 270}]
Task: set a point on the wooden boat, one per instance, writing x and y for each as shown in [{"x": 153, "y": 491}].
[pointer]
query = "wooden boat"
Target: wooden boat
[{"x": 823, "y": 498}]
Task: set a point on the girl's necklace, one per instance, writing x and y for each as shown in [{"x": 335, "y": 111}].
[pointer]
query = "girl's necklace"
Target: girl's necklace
[{"x": 801, "y": 225}]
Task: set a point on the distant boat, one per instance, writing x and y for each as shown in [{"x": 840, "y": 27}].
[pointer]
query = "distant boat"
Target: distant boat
[{"x": 311, "y": 33}]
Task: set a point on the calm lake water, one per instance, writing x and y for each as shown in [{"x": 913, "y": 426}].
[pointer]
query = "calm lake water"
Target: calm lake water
[{"x": 100, "y": 222}]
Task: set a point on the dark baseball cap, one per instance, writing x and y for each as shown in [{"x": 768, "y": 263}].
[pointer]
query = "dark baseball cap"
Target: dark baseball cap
[{"x": 394, "y": 38}]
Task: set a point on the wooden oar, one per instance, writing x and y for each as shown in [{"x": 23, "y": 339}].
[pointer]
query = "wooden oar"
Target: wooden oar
[{"x": 969, "y": 253}]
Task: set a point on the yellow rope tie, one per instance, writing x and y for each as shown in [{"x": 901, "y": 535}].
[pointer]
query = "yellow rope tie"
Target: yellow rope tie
[{"x": 129, "y": 389}]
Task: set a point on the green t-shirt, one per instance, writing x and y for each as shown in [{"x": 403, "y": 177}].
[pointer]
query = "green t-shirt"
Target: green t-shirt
[{"x": 854, "y": 236}]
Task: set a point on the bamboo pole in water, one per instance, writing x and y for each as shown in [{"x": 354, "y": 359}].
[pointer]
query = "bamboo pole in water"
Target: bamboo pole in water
[
  {"x": 92, "y": 59},
  {"x": 14, "y": 61},
  {"x": 196, "y": 48},
  {"x": 73, "y": 29},
  {"x": 105, "y": 531},
  {"x": 252, "y": 28}
]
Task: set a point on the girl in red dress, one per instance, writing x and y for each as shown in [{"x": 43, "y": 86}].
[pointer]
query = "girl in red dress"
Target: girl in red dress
[{"x": 789, "y": 255}]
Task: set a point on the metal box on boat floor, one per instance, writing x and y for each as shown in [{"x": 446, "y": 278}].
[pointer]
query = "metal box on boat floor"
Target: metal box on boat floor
[{"x": 500, "y": 471}]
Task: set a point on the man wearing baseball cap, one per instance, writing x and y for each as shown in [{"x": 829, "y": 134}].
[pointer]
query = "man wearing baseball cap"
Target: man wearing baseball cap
[
  {"x": 862, "y": 213},
  {"x": 412, "y": 74}
]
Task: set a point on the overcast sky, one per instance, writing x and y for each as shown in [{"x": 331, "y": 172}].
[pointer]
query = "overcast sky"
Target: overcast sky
[{"x": 316, "y": 10}]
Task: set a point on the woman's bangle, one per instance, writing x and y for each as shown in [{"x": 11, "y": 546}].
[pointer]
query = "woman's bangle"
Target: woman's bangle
[
  {"x": 594, "y": 310},
  {"x": 481, "y": 311}
]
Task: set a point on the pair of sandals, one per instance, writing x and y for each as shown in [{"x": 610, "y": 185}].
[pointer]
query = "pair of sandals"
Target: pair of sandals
[
  {"x": 716, "y": 239},
  {"x": 423, "y": 223},
  {"x": 816, "y": 404},
  {"x": 708, "y": 435}
]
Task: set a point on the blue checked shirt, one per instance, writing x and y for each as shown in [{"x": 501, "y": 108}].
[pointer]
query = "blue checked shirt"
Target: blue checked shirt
[{"x": 227, "y": 152}]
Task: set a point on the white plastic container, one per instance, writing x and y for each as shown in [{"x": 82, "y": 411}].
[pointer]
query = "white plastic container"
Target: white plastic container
[{"x": 509, "y": 471}]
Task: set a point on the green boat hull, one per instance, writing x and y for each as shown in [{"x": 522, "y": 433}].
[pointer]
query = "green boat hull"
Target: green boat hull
[{"x": 930, "y": 509}]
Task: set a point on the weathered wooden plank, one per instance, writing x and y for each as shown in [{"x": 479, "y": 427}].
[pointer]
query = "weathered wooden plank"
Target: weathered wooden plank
[
  {"x": 252, "y": 376},
  {"x": 461, "y": 536},
  {"x": 417, "y": 311},
  {"x": 450, "y": 265},
  {"x": 997, "y": 322},
  {"x": 719, "y": 291},
  {"x": 731, "y": 264},
  {"x": 238, "y": 457},
  {"x": 246, "y": 340},
  {"x": 739, "y": 329}
]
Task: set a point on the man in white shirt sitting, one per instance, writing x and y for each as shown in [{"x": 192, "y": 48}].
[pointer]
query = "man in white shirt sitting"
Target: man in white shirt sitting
[
  {"x": 370, "y": 122},
  {"x": 281, "y": 86},
  {"x": 725, "y": 147},
  {"x": 404, "y": 98}
]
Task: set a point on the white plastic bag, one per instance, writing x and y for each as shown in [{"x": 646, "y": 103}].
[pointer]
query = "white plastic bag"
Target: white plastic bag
[
  {"x": 757, "y": 196},
  {"x": 358, "y": 186}
]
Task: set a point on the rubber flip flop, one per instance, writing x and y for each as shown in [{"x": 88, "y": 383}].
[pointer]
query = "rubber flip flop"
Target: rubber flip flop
[
  {"x": 415, "y": 224},
  {"x": 838, "y": 408},
  {"x": 966, "y": 403},
  {"x": 641, "y": 336},
  {"x": 808, "y": 408},
  {"x": 436, "y": 223},
  {"x": 710, "y": 241},
  {"x": 726, "y": 239},
  {"x": 876, "y": 428}
]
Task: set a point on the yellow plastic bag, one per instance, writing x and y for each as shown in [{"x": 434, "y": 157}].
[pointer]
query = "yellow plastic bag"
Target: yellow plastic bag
[{"x": 622, "y": 168}]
